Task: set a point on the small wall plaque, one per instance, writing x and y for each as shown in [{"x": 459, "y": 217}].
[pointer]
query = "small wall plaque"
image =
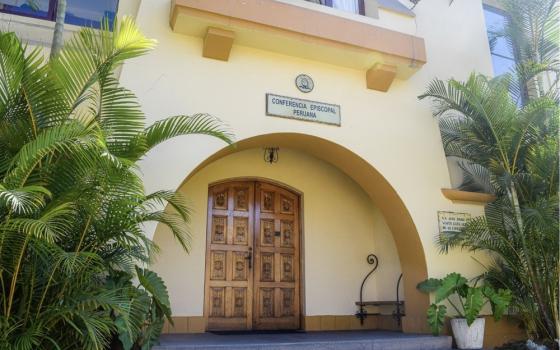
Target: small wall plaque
[
  {"x": 297, "y": 108},
  {"x": 450, "y": 222}
]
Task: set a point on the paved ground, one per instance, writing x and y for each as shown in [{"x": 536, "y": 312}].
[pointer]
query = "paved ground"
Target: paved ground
[{"x": 351, "y": 340}]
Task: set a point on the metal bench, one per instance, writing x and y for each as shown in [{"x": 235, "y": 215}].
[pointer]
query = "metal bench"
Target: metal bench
[{"x": 362, "y": 312}]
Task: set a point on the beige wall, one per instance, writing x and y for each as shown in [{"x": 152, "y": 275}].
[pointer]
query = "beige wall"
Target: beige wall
[
  {"x": 341, "y": 227},
  {"x": 393, "y": 131}
]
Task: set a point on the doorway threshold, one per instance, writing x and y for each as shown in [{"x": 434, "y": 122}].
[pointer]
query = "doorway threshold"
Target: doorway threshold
[
  {"x": 257, "y": 332},
  {"x": 335, "y": 340}
]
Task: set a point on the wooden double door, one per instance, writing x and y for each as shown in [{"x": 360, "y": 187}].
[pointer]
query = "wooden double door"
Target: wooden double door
[{"x": 252, "y": 257}]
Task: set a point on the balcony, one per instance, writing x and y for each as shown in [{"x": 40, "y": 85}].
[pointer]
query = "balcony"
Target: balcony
[{"x": 380, "y": 42}]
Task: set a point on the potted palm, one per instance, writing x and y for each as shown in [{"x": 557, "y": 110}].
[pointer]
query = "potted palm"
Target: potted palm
[{"x": 467, "y": 326}]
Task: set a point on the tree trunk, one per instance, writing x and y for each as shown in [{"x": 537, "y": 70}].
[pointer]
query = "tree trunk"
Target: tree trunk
[
  {"x": 58, "y": 36},
  {"x": 537, "y": 292}
]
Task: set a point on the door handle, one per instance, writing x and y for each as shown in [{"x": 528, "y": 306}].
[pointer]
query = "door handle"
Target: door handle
[{"x": 249, "y": 257}]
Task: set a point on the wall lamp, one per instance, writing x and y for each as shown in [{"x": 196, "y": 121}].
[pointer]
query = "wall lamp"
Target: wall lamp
[{"x": 271, "y": 154}]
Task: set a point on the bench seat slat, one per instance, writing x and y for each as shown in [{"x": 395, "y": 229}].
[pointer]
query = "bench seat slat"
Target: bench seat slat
[{"x": 380, "y": 303}]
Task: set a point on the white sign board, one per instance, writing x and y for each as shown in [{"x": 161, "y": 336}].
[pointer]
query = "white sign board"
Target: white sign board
[
  {"x": 296, "y": 108},
  {"x": 450, "y": 222}
]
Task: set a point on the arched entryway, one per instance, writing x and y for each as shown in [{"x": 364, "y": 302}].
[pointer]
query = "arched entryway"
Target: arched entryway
[{"x": 393, "y": 209}]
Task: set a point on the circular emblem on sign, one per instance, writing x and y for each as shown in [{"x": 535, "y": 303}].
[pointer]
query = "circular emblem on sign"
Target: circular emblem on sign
[{"x": 304, "y": 83}]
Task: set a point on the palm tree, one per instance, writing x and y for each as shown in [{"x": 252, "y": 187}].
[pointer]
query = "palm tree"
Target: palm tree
[
  {"x": 72, "y": 204},
  {"x": 505, "y": 131},
  {"x": 514, "y": 152},
  {"x": 58, "y": 34}
]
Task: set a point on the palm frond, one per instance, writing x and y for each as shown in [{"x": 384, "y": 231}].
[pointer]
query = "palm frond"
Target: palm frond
[
  {"x": 202, "y": 124},
  {"x": 72, "y": 202},
  {"x": 23, "y": 200}
]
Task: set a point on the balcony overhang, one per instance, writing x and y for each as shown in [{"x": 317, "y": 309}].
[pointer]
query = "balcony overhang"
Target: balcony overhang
[{"x": 290, "y": 29}]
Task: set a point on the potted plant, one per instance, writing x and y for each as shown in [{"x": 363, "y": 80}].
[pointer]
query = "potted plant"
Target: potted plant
[{"x": 467, "y": 326}]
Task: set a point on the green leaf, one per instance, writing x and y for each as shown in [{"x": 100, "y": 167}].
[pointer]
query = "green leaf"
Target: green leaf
[
  {"x": 436, "y": 318},
  {"x": 156, "y": 287},
  {"x": 429, "y": 286},
  {"x": 175, "y": 222},
  {"x": 174, "y": 199},
  {"x": 72, "y": 200},
  {"x": 449, "y": 285},
  {"x": 473, "y": 304},
  {"x": 90, "y": 57},
  {"x": 463, "y": 290},
  {"x": 23, "y": 200},
  {"x": 73, "y": 139},
  {"x": 152, "y": 333},
  {"x": 498, "y": 300},
  {"x": 53, "y": 224},
  {"x": 202, "y": 124},
  {"x": 131, "y": 318}
]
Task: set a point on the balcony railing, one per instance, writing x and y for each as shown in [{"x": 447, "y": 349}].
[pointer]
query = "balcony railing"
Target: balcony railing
[{"x": 352, "y": 6}]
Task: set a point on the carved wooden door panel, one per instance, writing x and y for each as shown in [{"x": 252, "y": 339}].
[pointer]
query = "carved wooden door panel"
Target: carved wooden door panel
[
  {"x": 229, "y": 277},
  {"x": 252, "y": 257},
  {"x": 277, "y": 246}
]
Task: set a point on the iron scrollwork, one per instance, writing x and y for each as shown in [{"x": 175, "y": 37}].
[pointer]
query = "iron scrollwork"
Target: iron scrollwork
[
  {"x": 372, "y": 259},
  {"x": 398, "y": 314},
  {"x": 362, "y": 312}
]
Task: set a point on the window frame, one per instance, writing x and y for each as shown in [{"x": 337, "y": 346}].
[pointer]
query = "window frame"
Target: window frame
[
  {"x": 501, "y": 12},
  {"x": 516, "y": 55},
  {"x": 361, "y": 6},
  {"x": 51, "y": 13}
]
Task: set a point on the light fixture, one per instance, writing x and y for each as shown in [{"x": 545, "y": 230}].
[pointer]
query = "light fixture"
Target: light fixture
[{"x": 271, "y": 154}]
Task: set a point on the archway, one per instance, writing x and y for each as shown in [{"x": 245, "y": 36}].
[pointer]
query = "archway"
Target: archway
[{"x": 407, "y": 240}]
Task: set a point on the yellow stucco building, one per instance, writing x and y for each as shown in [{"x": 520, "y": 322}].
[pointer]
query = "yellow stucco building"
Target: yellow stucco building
[{"x": 335, "y": 157}]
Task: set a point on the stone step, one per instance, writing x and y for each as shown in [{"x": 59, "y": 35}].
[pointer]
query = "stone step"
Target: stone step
[{"x": 346, "y": 340}]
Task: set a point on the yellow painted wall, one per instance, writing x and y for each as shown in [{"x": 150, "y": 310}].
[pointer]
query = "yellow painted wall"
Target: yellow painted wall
[
  {"x": 392, "y": 131},
  {"x": 341, "y": 227}
]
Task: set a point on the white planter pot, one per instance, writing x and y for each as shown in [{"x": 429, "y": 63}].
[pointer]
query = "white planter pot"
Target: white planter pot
[{"x": 468, "y": 337}]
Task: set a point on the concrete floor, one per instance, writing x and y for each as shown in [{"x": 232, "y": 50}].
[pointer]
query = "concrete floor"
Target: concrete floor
[{"x": 350, "y": 340}]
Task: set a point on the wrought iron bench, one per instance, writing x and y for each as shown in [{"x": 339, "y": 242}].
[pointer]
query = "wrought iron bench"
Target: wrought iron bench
[{"x": 362, "y": 312}]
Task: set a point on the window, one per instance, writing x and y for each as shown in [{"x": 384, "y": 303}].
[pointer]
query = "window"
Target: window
[
  {"x": 503, "y": 58},
  {"x": 36, "y": 9},
  {"x": 353, "y": 6},
  {"x": 85, "y": 13}
]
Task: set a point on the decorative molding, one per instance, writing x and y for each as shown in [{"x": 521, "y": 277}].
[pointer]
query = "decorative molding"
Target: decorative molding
[
  {"x": 298, "y": 31},
  {"x": 466, "y": 196}
]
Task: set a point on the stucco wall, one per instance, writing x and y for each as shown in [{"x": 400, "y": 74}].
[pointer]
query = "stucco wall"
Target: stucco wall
[
  {"x": 392, "y": 131},
  {"x": 341, "y": 227}
]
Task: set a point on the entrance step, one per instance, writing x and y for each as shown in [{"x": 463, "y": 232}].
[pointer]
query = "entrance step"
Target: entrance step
[{"x": 343, "y": 340}]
